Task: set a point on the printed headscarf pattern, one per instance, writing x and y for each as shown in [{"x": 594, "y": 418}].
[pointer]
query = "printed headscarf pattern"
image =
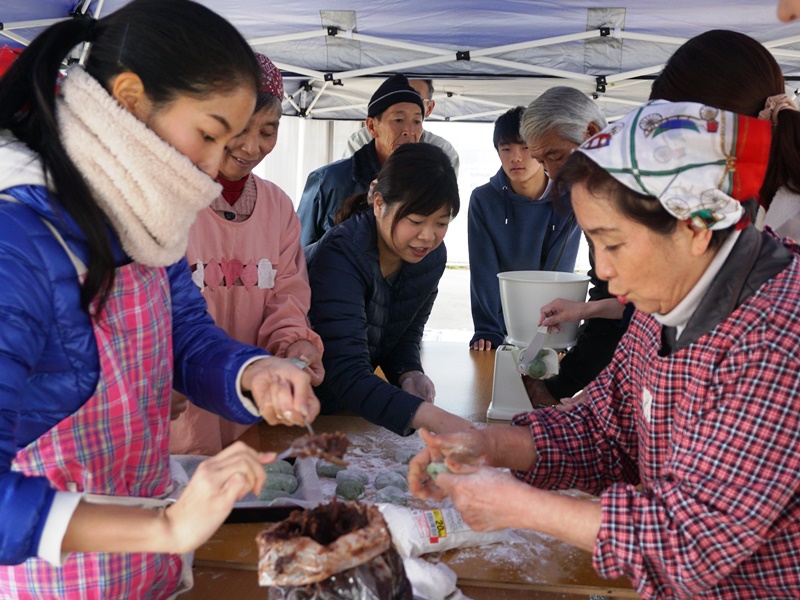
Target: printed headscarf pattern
[
  {"x": 271, "y": 79},
  {"x": 699, "y": 161}
]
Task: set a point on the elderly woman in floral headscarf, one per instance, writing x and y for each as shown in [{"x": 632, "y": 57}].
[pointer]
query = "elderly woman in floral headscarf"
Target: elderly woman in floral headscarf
[
  {"x": 690, "y": 436},
  {"x": 246, "y": 258}
]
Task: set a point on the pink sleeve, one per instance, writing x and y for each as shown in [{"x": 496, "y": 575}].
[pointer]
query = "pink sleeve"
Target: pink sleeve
[{"x": 286, "y": 319}]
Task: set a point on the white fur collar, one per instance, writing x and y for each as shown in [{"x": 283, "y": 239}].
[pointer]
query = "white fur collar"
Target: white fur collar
[{"x": 149, "y": 191}]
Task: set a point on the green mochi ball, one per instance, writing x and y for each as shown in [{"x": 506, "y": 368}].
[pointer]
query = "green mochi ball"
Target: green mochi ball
[
  {"x": 405, "y": 456},
  {"x": 402, "y": 469},
  {"x": 350, "y": 489},
  {"x": 279, "y": 466},
  {"x": 269, "y": 495},
  {"x": 392, "y": 495},
  {"x": 537, "y": 369},
  {"x": 390, "y": 478},
  {"x": 351, "y": 473},
  {"x": 281, "y": 481},
  {"x": 326, "y": 469}
]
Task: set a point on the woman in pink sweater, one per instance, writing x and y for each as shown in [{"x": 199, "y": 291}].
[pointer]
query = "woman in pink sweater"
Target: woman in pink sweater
[{"x": 246, "y": 258}]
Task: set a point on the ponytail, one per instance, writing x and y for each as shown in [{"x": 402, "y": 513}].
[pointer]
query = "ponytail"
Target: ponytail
[
  {"x": 28, "y": 110},
  {"x": 176, "y": 47},
  {"x": 354, "y": 205}
]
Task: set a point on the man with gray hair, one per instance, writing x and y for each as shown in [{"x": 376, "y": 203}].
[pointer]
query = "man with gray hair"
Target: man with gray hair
[{"x": 553, "y": 125}]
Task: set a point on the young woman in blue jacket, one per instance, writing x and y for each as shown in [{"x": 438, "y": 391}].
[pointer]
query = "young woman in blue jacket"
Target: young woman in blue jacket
[
  {"x": 100, "y": 182},
  {"x": 374, "y": 278}
]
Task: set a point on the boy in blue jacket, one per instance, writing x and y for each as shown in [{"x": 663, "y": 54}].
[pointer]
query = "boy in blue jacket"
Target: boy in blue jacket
[{"x": 515, "y": 223}]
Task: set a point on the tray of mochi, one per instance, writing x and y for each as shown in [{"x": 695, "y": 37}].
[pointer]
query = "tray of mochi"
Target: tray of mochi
[
  {"x": 291, "y": 484},
  {"x": 377, "y": 470}
]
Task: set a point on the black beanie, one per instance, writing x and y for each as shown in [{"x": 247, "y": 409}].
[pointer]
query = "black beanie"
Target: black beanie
[{"x": 392, "y": 91}]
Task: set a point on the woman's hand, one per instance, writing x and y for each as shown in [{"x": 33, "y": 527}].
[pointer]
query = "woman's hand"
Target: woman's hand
[
  {"x": 308, "y": 353},
  {"x": 281, "y": 391},
  {"x": 561, "y": 311},
  {"x": 208, "y": 498},
  {"x": 419, "y": 384},
  {"x": 481, "y": 495},
  {"x": 471, "y": 447}
]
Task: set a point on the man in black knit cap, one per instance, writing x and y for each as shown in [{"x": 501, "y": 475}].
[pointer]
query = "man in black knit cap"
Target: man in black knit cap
[{"x": 394, "y": 117}]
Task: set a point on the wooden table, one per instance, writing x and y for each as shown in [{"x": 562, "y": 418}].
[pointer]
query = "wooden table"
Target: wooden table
[{"x": 540, "y": 568}]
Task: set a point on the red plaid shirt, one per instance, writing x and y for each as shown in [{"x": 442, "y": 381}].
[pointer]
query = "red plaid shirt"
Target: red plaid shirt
[{"x": 695, "y": 455}]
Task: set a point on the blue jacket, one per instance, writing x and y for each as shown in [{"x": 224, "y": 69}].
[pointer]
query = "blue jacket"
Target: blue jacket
[
  {"x": 365, "y": 322},
  {"x": 49, "y": 363},
  {"x": 328, "y": 187},
  {"x": 508, "y": 232}
]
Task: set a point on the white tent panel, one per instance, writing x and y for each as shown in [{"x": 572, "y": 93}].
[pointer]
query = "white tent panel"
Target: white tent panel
[{"x": 483, "y": 56}]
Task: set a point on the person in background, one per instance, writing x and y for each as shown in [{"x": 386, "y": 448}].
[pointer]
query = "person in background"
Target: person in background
[
  {"x": 704, "y": 70},
  {"x": 100, "y": 183},
  {"x": 690, "y": 436},
  {"x": 554, "y": 125},
  {"x": 513, "y": 225},
  {"x": 425, "y": 89},
  {"x": 374, "y": 278},
  {"x": 246, "y": 258},
  {"x": 394, "y": 118}
]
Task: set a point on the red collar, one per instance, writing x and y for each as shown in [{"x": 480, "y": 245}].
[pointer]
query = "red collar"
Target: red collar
[{"x": 232, "y": 190}]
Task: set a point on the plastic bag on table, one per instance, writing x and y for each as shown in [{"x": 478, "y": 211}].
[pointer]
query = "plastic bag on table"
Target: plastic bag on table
[{"x": 337, "y": 550}]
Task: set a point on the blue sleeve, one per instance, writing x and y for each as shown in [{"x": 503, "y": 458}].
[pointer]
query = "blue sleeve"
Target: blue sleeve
[
  {"x": 568, "y": 237},
  {"x": 310, "y": 209},
  {"x": 338, "y": 314},
  {"x": 206, "y": 359},
  {"x": 484, "y": 288},
  {"x": 25, "y": 303},
  {"x": 404, "y": 356}
]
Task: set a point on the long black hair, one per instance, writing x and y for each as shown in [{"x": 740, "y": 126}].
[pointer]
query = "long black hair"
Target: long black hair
[
  {"x": 176, "y": 47},
  {"x": 735, "y": 72},
  {"x": 419, "y": 178}
]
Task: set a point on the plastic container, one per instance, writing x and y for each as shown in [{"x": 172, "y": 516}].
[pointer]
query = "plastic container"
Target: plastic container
[{"x": 524, "y": 293}]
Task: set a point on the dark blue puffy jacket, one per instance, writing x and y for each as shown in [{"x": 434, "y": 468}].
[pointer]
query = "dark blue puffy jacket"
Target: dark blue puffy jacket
[
  {"x": 366, "y": 322},
  {"x": 49, "y": 364},
  {"x": 328, "y": 187}
]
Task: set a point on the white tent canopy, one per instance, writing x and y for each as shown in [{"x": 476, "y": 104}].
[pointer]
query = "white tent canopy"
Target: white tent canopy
[
  {"x": 484, "y": 57},
  {"x": 335, "y": 53}
]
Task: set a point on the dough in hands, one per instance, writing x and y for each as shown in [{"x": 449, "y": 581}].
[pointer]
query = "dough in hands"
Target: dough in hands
[{"x": 435, "y": 468}]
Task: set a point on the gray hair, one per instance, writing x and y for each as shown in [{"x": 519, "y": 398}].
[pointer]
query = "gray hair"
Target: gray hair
[
  {"x": 564, "y": 109},
  {"x": 428, "y": 83},
  {"x": 268, "y": 102}
]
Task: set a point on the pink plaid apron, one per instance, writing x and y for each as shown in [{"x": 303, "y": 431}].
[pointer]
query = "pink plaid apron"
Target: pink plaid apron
[{"x": 116, "y": 444}]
